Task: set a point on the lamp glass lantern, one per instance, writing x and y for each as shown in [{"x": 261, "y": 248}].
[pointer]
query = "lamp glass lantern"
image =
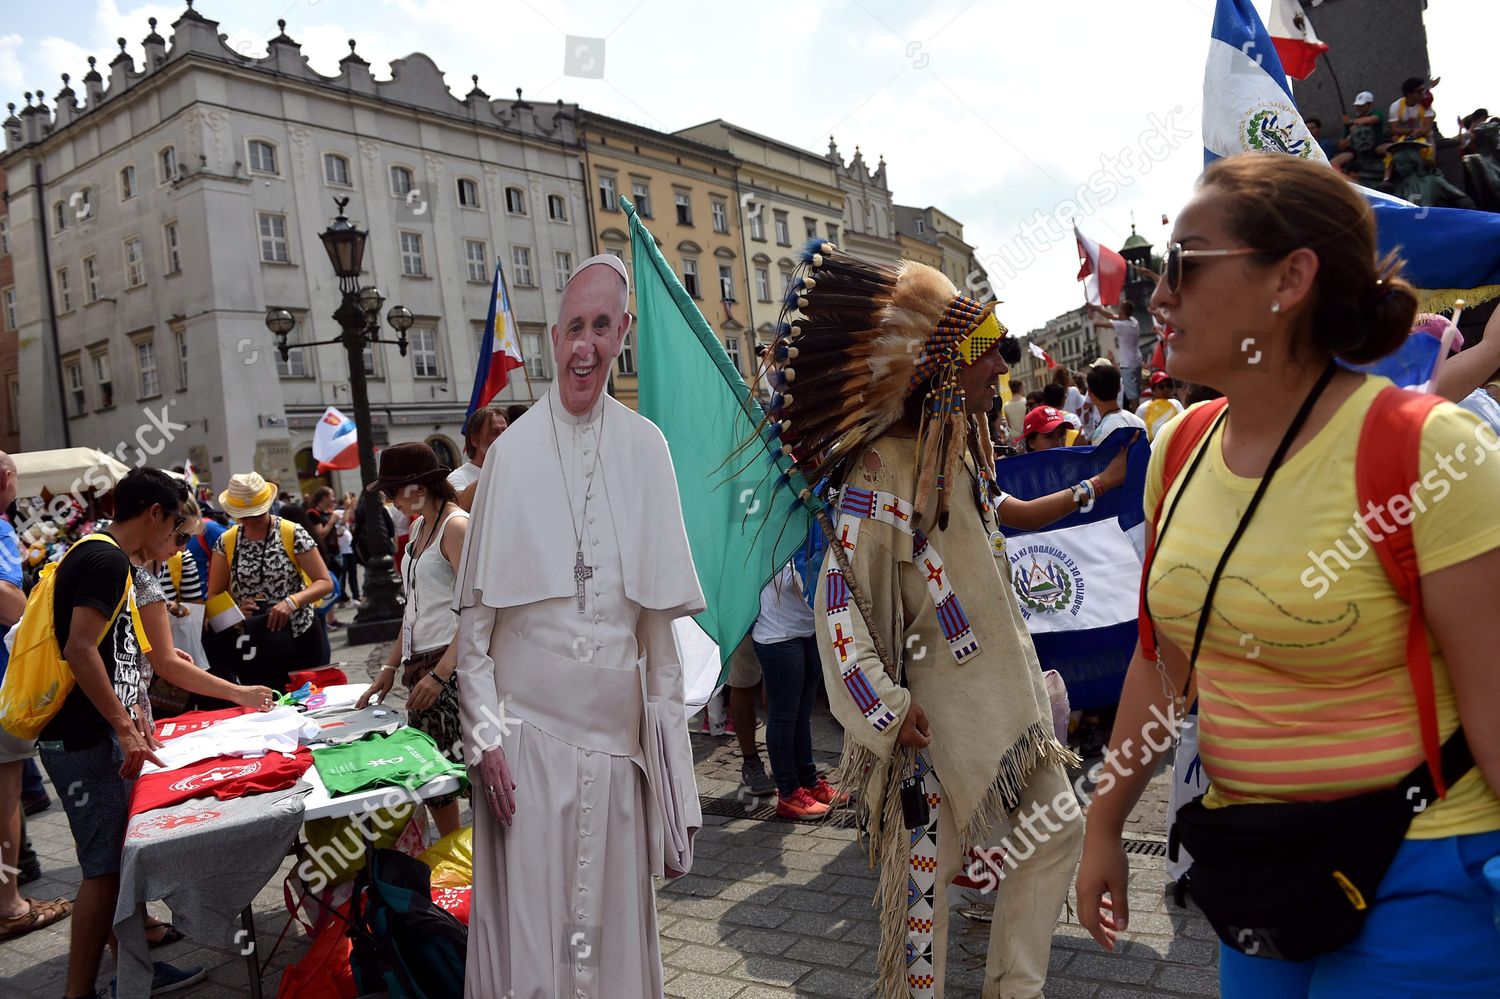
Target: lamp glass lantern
[{"x": 345, "y": 243}]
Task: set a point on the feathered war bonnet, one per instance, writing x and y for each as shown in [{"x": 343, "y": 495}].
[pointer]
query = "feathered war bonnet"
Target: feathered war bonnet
[{"x": 859, "y": 339}]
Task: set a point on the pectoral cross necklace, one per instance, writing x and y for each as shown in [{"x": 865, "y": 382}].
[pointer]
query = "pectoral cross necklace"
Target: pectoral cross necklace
[{"x": 582, "y": 572}]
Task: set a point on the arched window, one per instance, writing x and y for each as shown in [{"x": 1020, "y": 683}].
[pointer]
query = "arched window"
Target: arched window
[
  {"x": 515, "y": 201},
  {"x": 557, "y": 208},
  {"x": 468, "y": 192},
  {"x": 446, "y": 453},
  {"x": 401, "y": 181},
  {"x": 336, "y": 171},
  {"x": 166, "y": 165},
  {"x": 262, "y": 156}
]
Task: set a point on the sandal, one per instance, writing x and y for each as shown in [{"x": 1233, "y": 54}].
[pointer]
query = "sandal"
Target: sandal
[
  {"x": 168, "y": 938},
  {"x": 40, "y": 914}
]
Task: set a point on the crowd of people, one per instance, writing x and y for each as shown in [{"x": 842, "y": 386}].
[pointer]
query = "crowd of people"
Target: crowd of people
[{"x": 560, "y": 544}]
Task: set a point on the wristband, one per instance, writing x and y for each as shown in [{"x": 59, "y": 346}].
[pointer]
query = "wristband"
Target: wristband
[
  {"x": 386, "y": 667},
  {"x": 293, "y": 601}
]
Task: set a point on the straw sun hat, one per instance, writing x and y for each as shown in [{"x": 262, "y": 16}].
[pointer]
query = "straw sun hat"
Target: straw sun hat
[{"x": 248, "y": 495}]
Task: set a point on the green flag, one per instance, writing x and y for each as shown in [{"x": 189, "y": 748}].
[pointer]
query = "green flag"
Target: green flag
[{"x": 743, "y": 517}]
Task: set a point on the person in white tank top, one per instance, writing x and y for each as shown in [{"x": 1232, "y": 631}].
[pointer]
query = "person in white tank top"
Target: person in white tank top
[{"x": 417, "y": 484}]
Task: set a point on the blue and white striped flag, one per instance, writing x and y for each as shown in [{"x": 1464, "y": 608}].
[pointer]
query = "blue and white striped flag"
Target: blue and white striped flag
[
  {"x": 1078, "y": 580},
  {"x": 1248, "y": 107}
]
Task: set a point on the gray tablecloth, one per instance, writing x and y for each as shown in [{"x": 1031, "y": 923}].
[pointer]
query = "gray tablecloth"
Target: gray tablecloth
[{"x": 207, "y": 860}]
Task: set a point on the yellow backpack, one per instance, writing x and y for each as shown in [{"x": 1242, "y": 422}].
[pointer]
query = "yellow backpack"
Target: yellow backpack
[
  {"x": 288, "y": 541},
  {"x": 38, "y": 679}
]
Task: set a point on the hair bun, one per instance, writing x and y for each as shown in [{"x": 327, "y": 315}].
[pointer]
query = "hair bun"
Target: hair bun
[{"x": 1390, "y": 309}]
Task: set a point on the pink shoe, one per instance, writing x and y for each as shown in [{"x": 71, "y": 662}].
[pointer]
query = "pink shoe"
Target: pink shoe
[
  {"x": 801, "y": 805},
  {"x": 825, "y": 793}
]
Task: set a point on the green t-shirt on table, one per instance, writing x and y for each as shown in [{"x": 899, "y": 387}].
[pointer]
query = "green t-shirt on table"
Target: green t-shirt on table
[{"x": 405, "y": 758}]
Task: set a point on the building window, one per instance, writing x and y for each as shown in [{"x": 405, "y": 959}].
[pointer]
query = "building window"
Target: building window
[
  {"x": 515, "y": 201},
  {"x": 127, "y": 182},
  {"x": 401, "y": 182},
  {"x": 609, "y": 200},
  {"x": 412, "y": 264},
  {"x": 810, "y": 226},
  {"x": 726, "y": 282},
  {"x": 64, "y": 291},
  {"x": 732, "y": 348},
  {"x": 295, "y": 365},
  {"x": 520, "y": 258},
  {"x": 336, "y": 170},
  {"x": 478, "y": 258},
  {"x": 102, "y": 379},
  {"x": 721, "y": 215},
  {"x": 166, "y": 165},
  {"x": 424, "y": 352},
  {"x": 833, "y": 233},
  {"x": 690, "y": 276},
  {"x": 371, "y": 362},
  {"x": 59, "y": 217},
  {"x": 273, "y": 245},
  {"x": 921, "y": 227},
  {"x": 762, "y": 284},
  {"x": 468, "y": 193},
  {"x": 562, "y": 263},
  {"x": 640, "y": 190},
  {"x": 90, "y": 281},
  {"x": 169, "y": 238},
  {"x": 758, "y": 223},
  {"x": 783, "y": 230},
  {"x": 135, "y": 263},
  {"x": 10, "y": 309},
  {"x": 77, "y": 400},
  {"x": 148, "y": 382},
  {"x": 531, "y": 346},
  {"x": 4, "y": 235},
  {"x": 262, "y": 157},
  {"x": 786, "y": 282},
  {"x": 684, "y": 207},
  {"x": 557, "y": 208},
  {"x": 182, "y": 371},
  {"x": 627, "y": 354}
]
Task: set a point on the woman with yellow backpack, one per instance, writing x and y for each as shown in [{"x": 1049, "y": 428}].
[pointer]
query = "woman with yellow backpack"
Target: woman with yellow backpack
[{"x": 272, "y": 569}]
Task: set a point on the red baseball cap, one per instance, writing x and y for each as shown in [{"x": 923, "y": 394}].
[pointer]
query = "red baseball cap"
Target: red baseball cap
[
  {"x": 1159, "y": 377},
  {"x": 1043, "y": 420}
]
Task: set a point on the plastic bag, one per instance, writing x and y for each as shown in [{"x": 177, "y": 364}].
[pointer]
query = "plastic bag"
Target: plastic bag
[{"x": 452, "y": 859}]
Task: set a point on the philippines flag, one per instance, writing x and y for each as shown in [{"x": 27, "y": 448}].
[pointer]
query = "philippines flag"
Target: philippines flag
[
  {"x": 1248, "y": 107},
  {"x": 335, "y": 442},
  {"x": 1078, "y": 580},
  {"x": 499, "y": 351},
  {"x": 1296, "y": 43},
  {"x": 1104, "y": 270}
]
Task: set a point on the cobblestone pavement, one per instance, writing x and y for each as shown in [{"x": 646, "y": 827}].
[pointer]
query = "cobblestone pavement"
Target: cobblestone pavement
[{"x": 772, "y": 909}]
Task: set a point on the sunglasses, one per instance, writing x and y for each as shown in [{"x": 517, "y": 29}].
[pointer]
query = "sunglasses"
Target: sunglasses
[{"x": 1176, "y": 255}]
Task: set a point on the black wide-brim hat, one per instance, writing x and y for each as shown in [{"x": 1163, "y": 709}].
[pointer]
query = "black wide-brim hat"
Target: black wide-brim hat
[{"x": 409, "y": 464}]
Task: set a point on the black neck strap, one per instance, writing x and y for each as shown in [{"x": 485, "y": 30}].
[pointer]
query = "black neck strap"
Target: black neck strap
[{"x": 1298, "y": 422}]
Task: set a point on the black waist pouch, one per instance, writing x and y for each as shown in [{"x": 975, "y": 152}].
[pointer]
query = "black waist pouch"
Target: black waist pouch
[{"x": 1292, "y": 881}]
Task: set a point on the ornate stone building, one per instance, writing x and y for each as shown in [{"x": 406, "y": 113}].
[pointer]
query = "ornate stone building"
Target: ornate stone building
[
  {"x": 155, "y": 216},
  {"x": 869, "y": 212}
]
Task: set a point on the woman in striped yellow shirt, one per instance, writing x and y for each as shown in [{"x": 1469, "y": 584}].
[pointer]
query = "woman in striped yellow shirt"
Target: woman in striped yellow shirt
[{"x": 1300, "y": 670}]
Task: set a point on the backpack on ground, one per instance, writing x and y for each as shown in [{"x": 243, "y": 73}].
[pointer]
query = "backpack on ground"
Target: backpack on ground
[
  {"x": 404, "y": 943},
  {"x": 38, "y": 679}
]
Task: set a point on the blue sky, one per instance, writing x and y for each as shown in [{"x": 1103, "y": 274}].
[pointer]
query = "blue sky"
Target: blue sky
[{"x": 993, "y": 110}]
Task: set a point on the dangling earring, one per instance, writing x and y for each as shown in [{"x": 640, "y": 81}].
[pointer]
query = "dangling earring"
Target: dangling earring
[{"x": 1275, "y": 305}]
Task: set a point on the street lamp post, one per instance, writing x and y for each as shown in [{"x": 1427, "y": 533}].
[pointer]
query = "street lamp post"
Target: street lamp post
[{"x": 358, "y": 316}]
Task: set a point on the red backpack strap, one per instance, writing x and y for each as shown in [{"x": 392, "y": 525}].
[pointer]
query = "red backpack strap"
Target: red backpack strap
[
  {"x": 1186, "y": 436},
  {"x": 1387, "y": 463}
]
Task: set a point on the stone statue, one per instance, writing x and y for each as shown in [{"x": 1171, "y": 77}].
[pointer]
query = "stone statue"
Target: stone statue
[
  {"x": 1414, "y": 180},
  {"x": 1482, "y": 166}
]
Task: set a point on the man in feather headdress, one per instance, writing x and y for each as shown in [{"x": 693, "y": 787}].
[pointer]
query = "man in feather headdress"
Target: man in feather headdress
[{"x": 888, "y": 373}]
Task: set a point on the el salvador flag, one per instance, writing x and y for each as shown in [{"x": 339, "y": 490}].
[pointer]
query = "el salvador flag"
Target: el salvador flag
[
  {"x": 1248, "y": 107},
  {"x": 1078, "y": 580}
]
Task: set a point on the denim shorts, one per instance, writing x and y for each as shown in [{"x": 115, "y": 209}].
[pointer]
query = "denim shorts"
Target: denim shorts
[
  {"x": 96, "y": 799},
  {"x": 1432, "y": 932}
]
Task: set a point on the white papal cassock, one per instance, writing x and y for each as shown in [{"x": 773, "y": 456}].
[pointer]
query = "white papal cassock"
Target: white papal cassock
[{"x": 563, "y": 903}]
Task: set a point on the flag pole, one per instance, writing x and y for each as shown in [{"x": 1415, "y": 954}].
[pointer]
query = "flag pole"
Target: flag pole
[{"x": 505, "y": 291}]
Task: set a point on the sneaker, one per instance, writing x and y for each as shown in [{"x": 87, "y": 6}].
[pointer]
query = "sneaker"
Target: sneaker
[
  {"x": 800, "y": 805},
  {"x": 167, "y": 978},
  {"x": 753, "y": 775},
  {"x": 827, "y": 794}
]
